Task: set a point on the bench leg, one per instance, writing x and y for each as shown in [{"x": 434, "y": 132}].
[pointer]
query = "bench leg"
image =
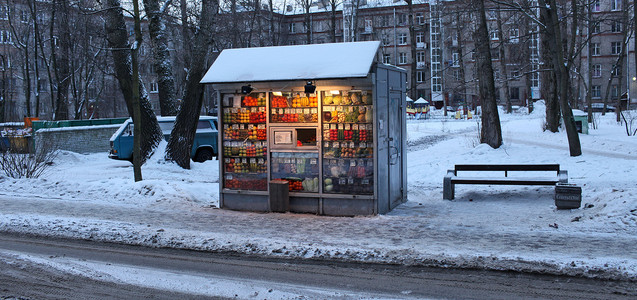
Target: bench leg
[
  {"x": 448, "y": 186},
  {"x": 562, "y": 176}
]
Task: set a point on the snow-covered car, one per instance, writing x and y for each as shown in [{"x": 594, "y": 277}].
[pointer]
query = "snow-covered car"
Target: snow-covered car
[
  {"x": 204, "y": 146},
  {"x": 599, "y": 107}
]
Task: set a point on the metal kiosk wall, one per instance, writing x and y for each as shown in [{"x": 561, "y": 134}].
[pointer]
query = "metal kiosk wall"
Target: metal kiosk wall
[{"x": 326, "y": 118}]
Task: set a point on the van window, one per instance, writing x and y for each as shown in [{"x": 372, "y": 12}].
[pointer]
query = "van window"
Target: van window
[
  {"x": 166, "y": 127},
  {"x": 203, "y": 125},
  {"x": 128, "y": 131}
]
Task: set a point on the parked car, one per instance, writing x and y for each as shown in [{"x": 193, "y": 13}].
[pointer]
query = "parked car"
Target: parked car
[
  {"x": 599, "y": 107},
  {"x": 204, "y": 146}
]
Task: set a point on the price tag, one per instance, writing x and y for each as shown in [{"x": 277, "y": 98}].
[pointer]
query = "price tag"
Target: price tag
[
  {"x": 350, "y": 109},
  {"x": 348, "y": 127},
  {"x": 326, "y": 126},
  {"x": 340, "y": 126},
  {"x": 313, "y": 161},
  {"x": 365, "y": 181},
  {"x": 352, "y": 163},
  {"x": 306, "y": 111},
  {"x": 250, "y": 126},
  {"x": 261, "y": 126},
  {"x": 262, "y": 109},
  {"x": 315, "y": 110},
  {"x": 355, "y": 127},
  {"x": 370, "y": 127},
  {"x": 345, "y": 93},
  {"x": 253, "y": 160},
  {"x": 362, "y": 145},
  {"x": 342, "y": 181},
  {"x": 351, "y": 144},
  {"x": 326, "y": 145},
  {"x": 227, "y": 160},
  {"x": 225, "y": 126},
  {"x": 364, "y": 93},
  {"x": 300, "y": 161},
  {"x": 229, "y": 177},
  {"x": 254, "y": 109},
  {"x": 261, "y": 161},
  {"x": 336, "y": 145},
  {"x": 235, "y": 126},
  {"x": 370, "y": 163},
  {"x": 350, "y": 180},
  {"x": 274, "y": 111},
  {"x": 244, "y": 160}
]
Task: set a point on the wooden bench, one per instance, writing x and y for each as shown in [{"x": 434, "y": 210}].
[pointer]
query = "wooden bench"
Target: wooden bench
[{"x": 452, "y": 178}]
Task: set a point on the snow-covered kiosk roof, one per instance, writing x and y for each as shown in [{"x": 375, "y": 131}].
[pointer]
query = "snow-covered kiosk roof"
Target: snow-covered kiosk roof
[
  {"x": 301, "y": 62},
  {"x": 409, "y": 99},
  {"x": 421, "y": 101}
]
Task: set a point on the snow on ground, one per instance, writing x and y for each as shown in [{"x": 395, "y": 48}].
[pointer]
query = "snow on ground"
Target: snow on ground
[{"x": 492, "y": 227}]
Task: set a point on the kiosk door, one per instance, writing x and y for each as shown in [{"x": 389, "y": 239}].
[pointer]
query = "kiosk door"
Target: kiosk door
[{"x": 395, "y": 149}]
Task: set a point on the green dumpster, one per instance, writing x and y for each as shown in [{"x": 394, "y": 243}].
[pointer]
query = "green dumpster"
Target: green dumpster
[{"x": 581, "y": 121}]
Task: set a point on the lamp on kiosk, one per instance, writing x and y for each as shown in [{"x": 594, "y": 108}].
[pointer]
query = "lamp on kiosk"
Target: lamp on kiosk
[
  {"x": 310, "y": 88},
  {"x": 246, "y": 89}
]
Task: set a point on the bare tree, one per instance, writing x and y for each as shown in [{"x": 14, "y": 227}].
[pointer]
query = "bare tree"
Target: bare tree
[
  {"x": 491, "y": 133},
  {"x": 413, "y": 92},
  {"x": 183, "y": 134},
  {"x": 117, "y": 37}
]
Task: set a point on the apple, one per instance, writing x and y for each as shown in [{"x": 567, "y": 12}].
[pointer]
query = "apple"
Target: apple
[
  {"x": 328, "y": 181},
  {"x": 329, "y": 188}
]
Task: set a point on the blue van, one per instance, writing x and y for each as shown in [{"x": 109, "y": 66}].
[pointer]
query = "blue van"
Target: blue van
[{"x": 204, "y": 147}]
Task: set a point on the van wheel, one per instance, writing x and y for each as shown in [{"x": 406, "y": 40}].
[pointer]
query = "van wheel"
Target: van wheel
[{"x": 203, "y": 155}]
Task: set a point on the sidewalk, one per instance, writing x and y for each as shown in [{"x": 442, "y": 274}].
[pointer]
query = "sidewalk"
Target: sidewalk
[{"x": 400, "y": 237}]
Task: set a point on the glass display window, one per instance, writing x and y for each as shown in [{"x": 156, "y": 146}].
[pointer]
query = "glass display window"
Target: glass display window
[
  {"x": 348, "y": 142},
  {"x": 300, "y": 169},
  {"x": 293, "y": 107}
]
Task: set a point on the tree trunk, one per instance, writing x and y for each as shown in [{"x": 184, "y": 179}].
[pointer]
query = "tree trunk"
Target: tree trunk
[
  {"x": 161, "y": 58},
  {"x": 183, "y": 134},
  {"x": 562, "y": 74},
  {"x": 503, "y": 66},
  {"x": 333, "y": 4},
  {"x": 589, "y": 63},
  {"x": 463, "y": 81},
  {"x": 63, "y": 71},
  {"x": 137, "y": 129},
  {"x": 115, "y": 29},
  {"x": 491, "y": 132},
  {"x": 548, "y": 79}
]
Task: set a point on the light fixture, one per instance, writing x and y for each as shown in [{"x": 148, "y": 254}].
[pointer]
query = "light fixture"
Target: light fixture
[
  {"x": 335, "y": 92},
  {"x": 310, "y": 88},
  {"x": 634, "y": 78},
  {"x": 277, "y": 94},
  {"x": 246, "y": 89}
]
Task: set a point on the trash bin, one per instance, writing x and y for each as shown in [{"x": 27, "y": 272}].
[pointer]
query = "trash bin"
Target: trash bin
[
  {"x": 279, "y": 200},
  {"x": 568, "y": 196},
  {"x": 581, "y": 121}
]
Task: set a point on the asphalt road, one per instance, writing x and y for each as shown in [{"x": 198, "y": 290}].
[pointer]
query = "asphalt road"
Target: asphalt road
[{"x": 29, "y": 271}]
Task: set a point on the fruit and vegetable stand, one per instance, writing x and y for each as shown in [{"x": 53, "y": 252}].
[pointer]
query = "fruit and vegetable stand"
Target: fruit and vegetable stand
[{"x": 326, "y": 118}]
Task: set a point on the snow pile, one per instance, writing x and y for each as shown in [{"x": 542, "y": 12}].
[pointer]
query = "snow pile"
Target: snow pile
[{"x": 494, "y": 227}]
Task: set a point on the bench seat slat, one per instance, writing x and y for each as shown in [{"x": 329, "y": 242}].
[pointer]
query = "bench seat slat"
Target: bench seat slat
[
  {"x": 505, "y": 180},
  {"x": 547, "y": 167}
]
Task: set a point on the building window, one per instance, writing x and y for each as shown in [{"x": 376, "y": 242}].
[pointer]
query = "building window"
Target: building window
[
  {"x": 292, "y": 28},
  {"x": 595, "y": 49},
  {"x": 385, "y": 20},
  {"x": 5, "y": 37},
  {"x": 4, "y": 12},
  {"x": 515, "y": 74},
  {"x": 596, "y": 71},
  {"x": 494, "y": 35},
  {"x": 402, "y": 19},
  {"x": 514, "y": 93},
  {"x": 596, "y": 91},
  {"x": 456, "y": 59},
  {"x": 615, "y": 4},
  {"x": 386, "y": 41},
  {"x": 615, "y": 71},
  {"x": 402, "y": 58},
  {"x": 420, "y": 19},
  {"x": 436, "y": 84},
  {"x": 402, "y": 39},
  {"x": 495, "y": 54},
  {"x": 420, "y": 56},
  {"x": 387, "y": 59},
  {"x": 491, "y": 14},
  {"x": 456, "y": 75},
  {"x": 420, "y": 37},
  {"x": 614, "y": 91},
  {"x": 514, "y": 35},
  {"x": 153, "y": 87},
  {"x": 368, "y": 25},
  {"x": 596, "y": 6},
  {"x": 419, "y": 76},
  {"x": 595, "y": 28},
  {"x": 616, "y": 26},
  {"x": 615, "y": 47}
]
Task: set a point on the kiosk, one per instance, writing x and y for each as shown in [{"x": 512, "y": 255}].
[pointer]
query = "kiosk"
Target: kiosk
[{"x": 327, "y": 118}]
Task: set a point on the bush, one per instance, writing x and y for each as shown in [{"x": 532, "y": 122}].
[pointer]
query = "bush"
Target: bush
[{"x": 19, "y": 161}]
